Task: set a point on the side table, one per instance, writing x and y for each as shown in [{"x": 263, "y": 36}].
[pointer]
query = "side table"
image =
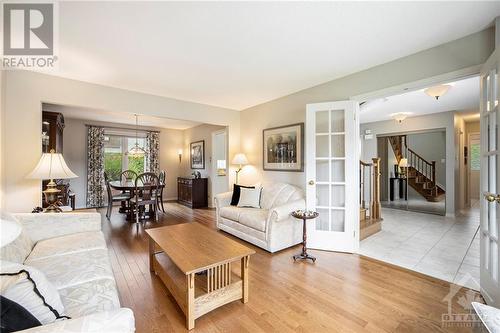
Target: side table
[{"x": 304, "y": 217}]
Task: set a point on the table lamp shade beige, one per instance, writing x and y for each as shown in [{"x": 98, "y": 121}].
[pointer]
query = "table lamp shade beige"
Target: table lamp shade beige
[
  {"x": 403, "y": 163},
  {"x": 51, "y": 166},
  {"x": 239, "y": 159}
]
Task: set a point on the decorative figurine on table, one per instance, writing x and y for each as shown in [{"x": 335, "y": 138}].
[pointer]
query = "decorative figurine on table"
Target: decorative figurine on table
[{"x": 304, "y": 215}]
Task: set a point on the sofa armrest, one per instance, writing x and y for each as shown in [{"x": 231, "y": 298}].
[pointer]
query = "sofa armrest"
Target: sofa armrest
[
  {"x": 40, "y": 226},
  {"x": 116, "y": 321},
  {"x": 282, "y": 212},
  {"x": 223, "y": 199}
]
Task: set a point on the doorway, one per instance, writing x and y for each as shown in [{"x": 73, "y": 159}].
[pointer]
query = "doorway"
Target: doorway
[
  {"x": 220, "y": 179},
  {"x": 413, "y": 171},
  {"x": 473, "y": 168}
]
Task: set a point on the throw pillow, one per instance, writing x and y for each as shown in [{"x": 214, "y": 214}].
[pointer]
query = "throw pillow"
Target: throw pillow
[
  {"x": 250, "y": 197},
  {"x": 236, "y": 194},
  {"x": 29, "y": 288},
  {"x": 13, "y": 317}
]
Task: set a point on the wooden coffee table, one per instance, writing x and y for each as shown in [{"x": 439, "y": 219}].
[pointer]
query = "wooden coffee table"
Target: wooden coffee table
[{"x": 178, "y": 252}]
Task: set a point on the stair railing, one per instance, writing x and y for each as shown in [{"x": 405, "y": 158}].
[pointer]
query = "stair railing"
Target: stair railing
[
  {"x": 422, "y": 166},
  {"x": 372, "y": 170}
]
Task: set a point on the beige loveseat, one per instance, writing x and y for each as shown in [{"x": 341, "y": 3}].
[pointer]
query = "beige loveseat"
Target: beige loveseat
[
  {"x": 271, "y": 227},
  {"x": 70, "y": 249}
]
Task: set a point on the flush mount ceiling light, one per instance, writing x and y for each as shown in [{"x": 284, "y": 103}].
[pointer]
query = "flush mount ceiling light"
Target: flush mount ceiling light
[
  {"x": 438, "y": 91},
  {"x": 400, "y": 116}
]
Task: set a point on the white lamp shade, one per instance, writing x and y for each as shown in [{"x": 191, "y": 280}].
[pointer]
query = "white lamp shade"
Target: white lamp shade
[
  {"x": 51, "y": 166},
  {"x": 240, "y": 159},
  {"x": 403, "y": 162},
  {"x": 9, "y": 231},
  {"x": 437, "y": 91}
]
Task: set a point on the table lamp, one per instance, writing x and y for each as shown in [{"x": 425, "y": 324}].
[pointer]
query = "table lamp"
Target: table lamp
[
  {"x": 51, "y": 166},
  {"x": 241, "y": 160},
  {"x": 403, "y": 164}
]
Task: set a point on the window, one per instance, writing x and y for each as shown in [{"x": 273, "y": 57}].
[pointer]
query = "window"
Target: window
[
  {"x": 475, "y": 154},
  {"x": 116, "y": 159}
]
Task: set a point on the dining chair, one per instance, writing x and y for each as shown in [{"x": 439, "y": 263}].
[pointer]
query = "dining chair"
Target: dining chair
[
  {"x": 128, "y": 175},
  {"x": 121, "y": 197},
  {"x": 162, "y": 177},
  {"x": 146, "y": 193}
]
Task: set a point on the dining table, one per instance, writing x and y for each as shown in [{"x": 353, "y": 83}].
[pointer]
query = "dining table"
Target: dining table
[{"x": 129, "y": 186}]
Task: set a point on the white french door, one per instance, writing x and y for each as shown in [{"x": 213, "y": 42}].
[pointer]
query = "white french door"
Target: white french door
[
  {"x": 490, "y": 180},
  {"x": 332, "y": 175}
]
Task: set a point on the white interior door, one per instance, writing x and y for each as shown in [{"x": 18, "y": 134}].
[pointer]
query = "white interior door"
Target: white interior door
[
  {"x": 490, "y": 181},
  {"x": 332, "y": 138}
]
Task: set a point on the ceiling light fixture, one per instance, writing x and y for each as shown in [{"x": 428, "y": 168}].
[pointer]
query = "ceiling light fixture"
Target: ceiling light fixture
[
  {"x": 400, "y": 116},
  {"x": 438, "y": 91},
  {"x": 136, "y": 151}
]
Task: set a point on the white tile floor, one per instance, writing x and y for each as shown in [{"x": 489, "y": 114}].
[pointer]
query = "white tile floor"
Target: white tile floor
[{"x": 442, "y": 247}]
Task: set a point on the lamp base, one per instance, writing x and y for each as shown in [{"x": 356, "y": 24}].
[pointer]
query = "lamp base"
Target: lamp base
[{"x": 51, "y": 194}]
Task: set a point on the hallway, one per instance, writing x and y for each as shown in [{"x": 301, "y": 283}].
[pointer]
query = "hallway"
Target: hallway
[{"x": 442, "y": 247}]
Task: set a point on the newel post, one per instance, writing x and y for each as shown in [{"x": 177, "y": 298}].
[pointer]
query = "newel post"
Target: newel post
[
  {"x": 375, "y": 204},
  {"x": 434, "y": 176}
]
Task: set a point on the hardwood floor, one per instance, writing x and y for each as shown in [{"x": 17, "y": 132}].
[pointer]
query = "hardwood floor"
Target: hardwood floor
[{"x": 340, "y": 293}]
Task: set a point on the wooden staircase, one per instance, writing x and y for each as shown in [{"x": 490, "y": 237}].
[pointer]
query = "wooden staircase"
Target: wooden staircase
[
  {"x": 421, "y": 173},
  {"x": 370, "y": 220}
]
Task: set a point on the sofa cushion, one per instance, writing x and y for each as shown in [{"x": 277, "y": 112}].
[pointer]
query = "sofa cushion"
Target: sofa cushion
[
  {"x": 75, "y": 268},
  {"x": 255, "y": 218},
  {"x": 89, "y": 297},
  {"x": 73, "y": 243},
  {"x": 30, "y": 288},
  {"x": 236, "y": 193},
  {"x": 14, "y": 317},
  {"x": 231, "y": 212},
  {"x": 277, "y": 194},
  {"x": 250, "y": 197}
]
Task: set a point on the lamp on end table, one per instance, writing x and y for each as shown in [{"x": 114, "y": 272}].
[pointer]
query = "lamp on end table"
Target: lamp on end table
[{"x": 51, "y": 166}]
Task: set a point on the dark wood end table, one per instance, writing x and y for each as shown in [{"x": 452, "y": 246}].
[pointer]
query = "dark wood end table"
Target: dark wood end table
[{"x": 304, "y": 218}]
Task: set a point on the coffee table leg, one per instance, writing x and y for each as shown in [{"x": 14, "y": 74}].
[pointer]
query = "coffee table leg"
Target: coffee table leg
[
  {"x": 244, "y": 278},
  {"x": 190, "y": 301},
  {"x": 151, "y": 254}
]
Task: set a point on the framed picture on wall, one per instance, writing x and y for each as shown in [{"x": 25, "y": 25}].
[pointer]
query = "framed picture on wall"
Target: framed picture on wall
[
  {"x": 197, "y": 150},
  {"x": 283, "y": 148}
]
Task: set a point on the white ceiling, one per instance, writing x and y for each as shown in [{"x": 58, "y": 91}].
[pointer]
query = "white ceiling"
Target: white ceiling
[
  {"x": 462, "y": 96},
  {"x": 118, "y": 117},
  {"x": 239, "y": 54}
]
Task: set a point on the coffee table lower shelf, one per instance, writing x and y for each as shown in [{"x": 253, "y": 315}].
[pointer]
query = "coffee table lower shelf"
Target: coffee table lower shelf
[{"x": 198, "y": 294}]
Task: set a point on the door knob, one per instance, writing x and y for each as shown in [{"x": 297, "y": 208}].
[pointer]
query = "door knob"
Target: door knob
[
  {"x": 492, "y": 197},
  {"x": 311, "y": 182}
]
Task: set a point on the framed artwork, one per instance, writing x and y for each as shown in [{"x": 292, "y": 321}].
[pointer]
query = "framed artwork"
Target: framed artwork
[
  {"x": 197, "y": 150},
  {"x": 283, "y": 148}
]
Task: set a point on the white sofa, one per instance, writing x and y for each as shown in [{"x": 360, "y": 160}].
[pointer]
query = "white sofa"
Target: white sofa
[
  {"x": 70, "y": 249},
  {"x": 271, "y": 227}
]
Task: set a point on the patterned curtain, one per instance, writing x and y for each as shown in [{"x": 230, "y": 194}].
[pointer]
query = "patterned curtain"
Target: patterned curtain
[
  {"x": 95, "y": 166},
  {"x": 153, "y": 152}
]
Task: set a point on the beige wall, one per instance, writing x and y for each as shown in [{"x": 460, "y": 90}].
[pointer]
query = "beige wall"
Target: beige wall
[
  {"x": 75, "y": 151},
  {"x": 198, "y": 133},
  {"x": 463, "y": 53},
  {"x": 24, "y": 93}
]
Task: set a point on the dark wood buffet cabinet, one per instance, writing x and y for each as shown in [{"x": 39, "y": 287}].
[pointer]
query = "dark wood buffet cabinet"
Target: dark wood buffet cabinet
[{"x": 192, "y": 192}]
